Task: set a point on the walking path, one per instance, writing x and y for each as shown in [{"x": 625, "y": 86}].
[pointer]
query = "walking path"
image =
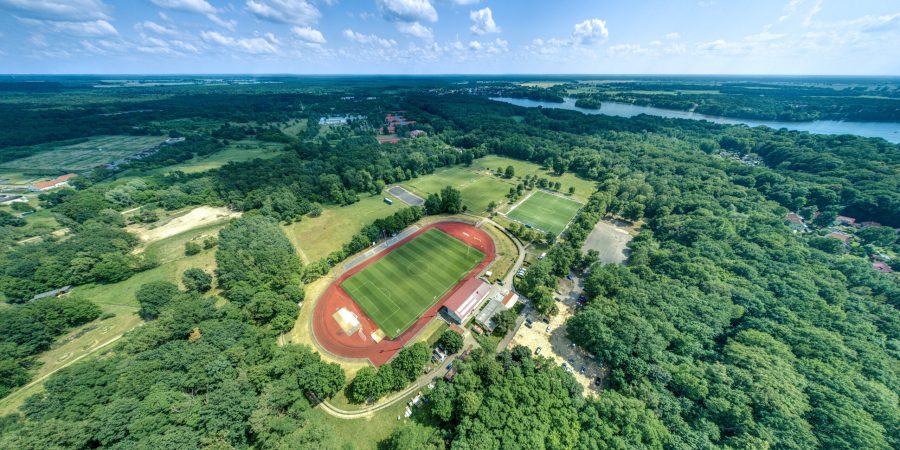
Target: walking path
[{"x": 424, "y": 380}]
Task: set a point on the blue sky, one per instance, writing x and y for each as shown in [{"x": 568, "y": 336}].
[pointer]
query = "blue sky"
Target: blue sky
[{"x": 450, "y": 36}]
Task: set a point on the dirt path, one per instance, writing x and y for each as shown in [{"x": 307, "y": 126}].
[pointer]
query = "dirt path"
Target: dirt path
[
  {"x": 12, "y": 397},
  {"x": 197, "y": 217},
  {"x": 423, "y": 381}
]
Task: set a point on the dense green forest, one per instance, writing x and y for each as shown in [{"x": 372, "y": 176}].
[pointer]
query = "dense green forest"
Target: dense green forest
[
  {"x": 724, "y": 329},
  {"x": 862, "y": 100}
]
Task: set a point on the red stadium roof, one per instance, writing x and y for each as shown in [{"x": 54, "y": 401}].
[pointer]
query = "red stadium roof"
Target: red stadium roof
[{"x": 467, "y": 297}]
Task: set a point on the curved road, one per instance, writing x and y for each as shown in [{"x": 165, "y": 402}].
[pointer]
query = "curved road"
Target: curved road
[{"x": 423, "y": 381}]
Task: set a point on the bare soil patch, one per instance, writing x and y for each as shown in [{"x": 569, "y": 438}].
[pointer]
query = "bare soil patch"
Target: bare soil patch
[{"x": 197, "y": 217}]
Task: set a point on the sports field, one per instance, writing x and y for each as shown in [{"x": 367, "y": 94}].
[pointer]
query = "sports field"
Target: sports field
[
  {"x": 546, "y": 212},
  {"x": 397, "y": 289}
]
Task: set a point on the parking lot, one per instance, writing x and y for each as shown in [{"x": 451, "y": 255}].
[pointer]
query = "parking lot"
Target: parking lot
[{"x": 551, "y": 338}]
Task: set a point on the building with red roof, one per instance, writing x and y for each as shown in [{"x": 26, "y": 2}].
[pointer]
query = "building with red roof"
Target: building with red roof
[
  {"x": 462, "y": 303},
  {"x": 54, "y": 183}
]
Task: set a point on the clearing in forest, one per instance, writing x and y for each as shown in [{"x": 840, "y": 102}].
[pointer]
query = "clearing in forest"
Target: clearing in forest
[
  {"x": 546, "y": 212},
  {"x": 397, "y": 289}
]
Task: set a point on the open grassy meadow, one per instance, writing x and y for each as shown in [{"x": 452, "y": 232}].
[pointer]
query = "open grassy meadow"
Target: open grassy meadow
[
  {"x": 237, "y": 151},
  {"x": 316, "y": 237},
  {"x": 398, "y": 288},
  {"x": 583, "y": 188},
  {"x": 83, "y": 155},
  {"x": 477, "y": 187},
  {"x": 546, "y": 212}
]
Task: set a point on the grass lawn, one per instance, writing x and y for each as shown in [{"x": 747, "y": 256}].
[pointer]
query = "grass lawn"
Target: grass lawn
[
  {"x": 398, "y": 288},
  {"x": 364, "y": 433},
  {"x": 84, "y": 155},
  {"x": 237, "y": 151},
  {"x": 477, "y": 188},
  {"x": 316, "y": 237},
  {"x": 506, "y": 253},
  {"x": 546, "y": 212},
  {"x": 172, "y": 248},
  {"x": 583, "y": 188}
]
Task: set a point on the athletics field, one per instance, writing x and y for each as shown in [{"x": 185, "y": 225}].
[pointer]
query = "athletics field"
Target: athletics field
[{"x": 396, "y": 290}]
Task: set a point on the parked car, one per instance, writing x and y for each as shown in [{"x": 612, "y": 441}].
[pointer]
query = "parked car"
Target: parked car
[
  {"x": 537, "y": 351},
  {"x": 548, "y": 328}
]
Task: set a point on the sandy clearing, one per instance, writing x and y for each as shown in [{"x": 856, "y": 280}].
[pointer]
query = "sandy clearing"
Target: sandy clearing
[
  {"x": 611, "y": 240},
  {"x": 551, "y": 338},
  {"x": 197, "y": 217}
]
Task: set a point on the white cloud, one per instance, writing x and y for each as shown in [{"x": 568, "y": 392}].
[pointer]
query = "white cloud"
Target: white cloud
[
  {"x": 462, "y": 2},
  {"x": 483, "y": 22},
  {"x": 157, "y": 46},
  {"x": 368, "y": 39},
  {"x": 407, "y": 10},
  {"x": 590, "y": 32},
  {"x": 415, "y": 29},
  {"x": 229, "y": 24},
  {"x": 294, "y": 12},
  {"x": 255, "y": 45},
  {"x": 872, "y": 24},
  {"x": 673, "y": 36},
  {"x": 490, "y": 47},
  {"x": 154, "y": 27},
  {"x": 62, "y": 10},
  {"x": 93, "y": 28},
  {"x": 309, "y": 34},
  {"x": 192, "y": 6}
]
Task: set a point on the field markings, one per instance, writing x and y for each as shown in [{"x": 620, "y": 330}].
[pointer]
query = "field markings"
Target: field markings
[
  {"x": 416, "y": 276},
  {"x": 542, "y": 210}
]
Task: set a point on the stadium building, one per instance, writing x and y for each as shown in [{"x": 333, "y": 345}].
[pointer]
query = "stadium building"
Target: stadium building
[{"x": 462, "y": 303}]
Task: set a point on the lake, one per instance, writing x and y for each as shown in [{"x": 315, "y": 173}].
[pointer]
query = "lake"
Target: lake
[{"x": 889, "y": 131}]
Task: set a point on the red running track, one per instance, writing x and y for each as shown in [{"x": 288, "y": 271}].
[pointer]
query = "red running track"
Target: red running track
[{"x": 333, "y": 339}]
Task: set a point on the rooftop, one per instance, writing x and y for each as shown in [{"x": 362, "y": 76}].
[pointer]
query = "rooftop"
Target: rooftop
[{"x": 467, "y": 297}]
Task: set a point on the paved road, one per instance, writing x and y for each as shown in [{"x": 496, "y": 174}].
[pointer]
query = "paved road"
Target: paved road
[{"x": 423, "y": 381}]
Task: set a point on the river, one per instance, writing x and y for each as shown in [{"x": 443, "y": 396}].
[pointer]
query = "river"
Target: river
[{"x": 889, "y": 131}]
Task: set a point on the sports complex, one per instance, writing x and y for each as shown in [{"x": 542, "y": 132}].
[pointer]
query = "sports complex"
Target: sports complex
[
  {"x": 373, "y": 309},
  {"x": 545, "y": 211}
]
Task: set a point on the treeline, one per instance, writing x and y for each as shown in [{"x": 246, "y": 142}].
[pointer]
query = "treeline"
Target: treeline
[
  {"x": 723, "y": 327},
  {"x": 24, "y": 123},
  {"x": 514, "y": 400},
  {"x": 371, "y": 384},
  {"x": 26, "y": 330},
  {"x": 848, "y": 174},
  {"x": 96, "y": 253},
  {"x": 196, "y": 375},
  {"x": 287, "y": 187},
  {"x": 540, "y": 281},
  {"x": 760, "y": 101},
  {"x": 378, "y": 229},
  {"x": 171, "y": 154},
  {"x": 259, "y": 269}
]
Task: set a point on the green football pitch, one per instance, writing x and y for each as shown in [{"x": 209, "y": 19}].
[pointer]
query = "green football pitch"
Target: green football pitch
[
  {"x": 546, "y": 212},
  {"x": 398, "y": 288}
]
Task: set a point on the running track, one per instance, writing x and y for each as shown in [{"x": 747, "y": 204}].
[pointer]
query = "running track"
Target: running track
[{"x": 332, "y": 338}]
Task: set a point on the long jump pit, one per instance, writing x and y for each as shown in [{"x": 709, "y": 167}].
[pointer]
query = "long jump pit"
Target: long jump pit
[{"x": 340, "y": 326}]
